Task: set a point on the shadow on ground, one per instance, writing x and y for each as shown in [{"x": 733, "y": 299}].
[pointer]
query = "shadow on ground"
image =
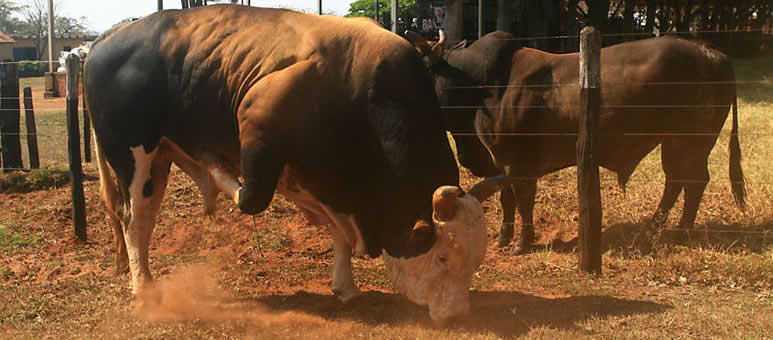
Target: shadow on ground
[
  {"x": 503, "y": 313},
  {"x": 643, "y": 239}
]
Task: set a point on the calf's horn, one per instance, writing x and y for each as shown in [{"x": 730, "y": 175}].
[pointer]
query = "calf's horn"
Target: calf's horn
[{"x": 487, "y": 187}]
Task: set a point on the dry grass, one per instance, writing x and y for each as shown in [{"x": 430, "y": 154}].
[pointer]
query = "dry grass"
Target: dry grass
[{"x": 713, "y": 282}]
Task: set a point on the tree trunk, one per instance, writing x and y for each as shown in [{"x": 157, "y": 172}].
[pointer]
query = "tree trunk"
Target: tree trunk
[
  {"x": 628, "y": 17},
  {"x": 453, "y": 21},
  {"x": 650, "y": 23},
  {"x": 572, "y": 28},
  {"x": 599, "y": 12},
  {"x": 504, "y": 15}
]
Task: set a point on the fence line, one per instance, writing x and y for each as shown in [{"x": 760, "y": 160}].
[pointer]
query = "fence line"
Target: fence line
[
  {"x": 709, "y": 106},
  {"x": 559, "y": 85},
  {"x": 531, "y": 134},
  {"x": 696, "y": 230},
  {"x": 577, "y": 36}
]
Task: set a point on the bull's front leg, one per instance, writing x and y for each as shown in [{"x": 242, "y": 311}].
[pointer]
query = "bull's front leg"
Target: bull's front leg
[
  {"x": 343, "y": 281},
  {"x": 261, "y": 168}
]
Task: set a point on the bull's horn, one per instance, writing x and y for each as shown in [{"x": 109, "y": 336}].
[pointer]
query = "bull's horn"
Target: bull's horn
[
  {"x": 444, "y": 202},
  {"x": 442, "y": 37},
  {"x": 487, "y": 187}
]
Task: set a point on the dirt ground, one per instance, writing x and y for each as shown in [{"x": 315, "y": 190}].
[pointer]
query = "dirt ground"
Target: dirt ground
[{"x": 269, "y": 277}]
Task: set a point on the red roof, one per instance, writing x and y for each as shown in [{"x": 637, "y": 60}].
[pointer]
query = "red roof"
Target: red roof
[{"x": 5, "y": 38}]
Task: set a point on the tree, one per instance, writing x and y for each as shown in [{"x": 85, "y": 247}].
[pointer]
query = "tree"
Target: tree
[
  {"x": 35, "y": 23},
  {"x": 367, "y": 8},
  {"x": 8, "y": 23},
  {"x": 69, "y": 26}
]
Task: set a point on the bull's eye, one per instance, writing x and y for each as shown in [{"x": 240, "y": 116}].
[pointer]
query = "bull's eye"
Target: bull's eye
[{"x": 442, "y": 259}]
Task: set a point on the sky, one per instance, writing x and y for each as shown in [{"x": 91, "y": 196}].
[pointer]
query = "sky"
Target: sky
[{"x": 102, "y": 14}]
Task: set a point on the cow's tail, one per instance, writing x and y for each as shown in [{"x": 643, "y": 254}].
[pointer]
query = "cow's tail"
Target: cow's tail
[
  {"x": 736, "y": 173},
  {"x": 108, "y": 185}
]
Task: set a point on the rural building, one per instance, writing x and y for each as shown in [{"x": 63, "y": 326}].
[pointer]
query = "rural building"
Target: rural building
[{"x": 23, "y": 47}]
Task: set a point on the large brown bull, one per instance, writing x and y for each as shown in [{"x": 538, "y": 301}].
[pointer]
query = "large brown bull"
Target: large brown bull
[
  {"x": 523, "y": 105},
  {"x": 339, "y": 115}
]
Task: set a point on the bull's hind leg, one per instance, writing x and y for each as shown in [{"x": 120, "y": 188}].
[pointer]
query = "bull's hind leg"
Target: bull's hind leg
[
  {"x": 526, "y": 191},
  {"x": 693, "y": 192},
  {"x": 685, "y": 162},
  {"x": 674, "y": 183},
  {"x": 506, "y": 231},
  {"x": 146, "y": 191}
]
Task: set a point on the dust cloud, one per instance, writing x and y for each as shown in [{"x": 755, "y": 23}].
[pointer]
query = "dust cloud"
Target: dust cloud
[{"x": 191, "y": 292}]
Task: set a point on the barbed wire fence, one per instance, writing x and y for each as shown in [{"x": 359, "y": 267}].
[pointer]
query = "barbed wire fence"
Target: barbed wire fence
[
  {"x": 42, "y": 120},
  {"x": 50, "y": 128}
]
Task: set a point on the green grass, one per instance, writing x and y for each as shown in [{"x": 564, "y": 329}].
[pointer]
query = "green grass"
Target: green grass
[
  {"x": 13, "y": 239},
  {"x": 34, "y": 180},
  {"x": 36, "y": 83},
  {"x": 716, "y": 283}
]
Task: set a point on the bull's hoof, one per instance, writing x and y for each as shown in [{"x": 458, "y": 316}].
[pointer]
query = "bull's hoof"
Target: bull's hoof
[
  {"x": 121, "y": 266},
  {"x": 346, "y": 295},
  {"x": 521, "y": 248},
  {"x": 503, "y": 239}
]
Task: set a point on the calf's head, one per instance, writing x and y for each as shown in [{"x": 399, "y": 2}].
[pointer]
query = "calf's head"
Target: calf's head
[{"x": 441, "y": 277}]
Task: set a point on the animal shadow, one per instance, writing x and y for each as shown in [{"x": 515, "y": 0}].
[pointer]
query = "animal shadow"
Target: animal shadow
[
  {"x": 504, "y": 313},
  {"x": 643, "y": 238}
]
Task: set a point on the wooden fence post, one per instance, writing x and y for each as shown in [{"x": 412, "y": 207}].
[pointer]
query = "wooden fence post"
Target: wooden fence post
[
  {"x": 72, "y": 65},
  {"x": 587, "y": 151},
  {"x": 10, "y": 117},
  {"x": 32, "y": 130},
  {"x": 86, "y": 123}
]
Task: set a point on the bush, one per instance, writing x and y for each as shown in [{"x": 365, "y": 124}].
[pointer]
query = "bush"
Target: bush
[
  {"x": 38, "y": 179},
  {"x": 29, "y": 68}
]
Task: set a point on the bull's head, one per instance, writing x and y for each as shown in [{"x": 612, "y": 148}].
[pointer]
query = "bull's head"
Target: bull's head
[{"x": 441, "y": 278}]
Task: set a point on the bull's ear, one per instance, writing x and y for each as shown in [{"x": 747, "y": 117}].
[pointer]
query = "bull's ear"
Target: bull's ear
[
  {"x": 421, "y": 45},
  {"x": 487, "y": 187},
  {"x": 445, "y": 202}
]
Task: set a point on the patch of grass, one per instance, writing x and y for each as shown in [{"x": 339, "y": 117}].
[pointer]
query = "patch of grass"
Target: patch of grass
[
  {"x": 35, "y": 180},
  {"x": 271, "y": 237},
  {"x": 754, "y": 70},
  {"x": 12, "y": 239}
]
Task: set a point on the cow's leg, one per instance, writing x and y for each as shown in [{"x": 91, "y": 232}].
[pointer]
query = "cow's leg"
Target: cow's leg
[
  {"x": 343, "y": 281},
  {"x": 146, "y": 190},
  {"x": 670, "y": 161},
  {"x": 525, "y": 193},
  {"x": 198, "y": 172},
  {"x": 693, "y": 193},
  {"x": 506, "y": 231}
]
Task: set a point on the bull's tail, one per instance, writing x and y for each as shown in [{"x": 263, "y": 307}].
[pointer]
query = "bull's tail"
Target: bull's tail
[
  {"x": 115, "y": 207},
  {"x": 108, "y": 185},
  {"x": 736, "y": 173}
]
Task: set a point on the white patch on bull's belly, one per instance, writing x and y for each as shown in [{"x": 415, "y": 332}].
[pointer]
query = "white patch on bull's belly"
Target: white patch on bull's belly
[{"x": 320, "y": 214}]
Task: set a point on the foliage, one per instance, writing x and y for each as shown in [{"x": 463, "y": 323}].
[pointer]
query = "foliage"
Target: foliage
[
  {"x": 8, "y": 23},
  {"x": 29, "y": 68},
  {"x": 405, "y": 13},
  {"x": 34, "y": 22},
  {"x": 12, "y": 239},
  {"x": 38, "y": 179}
]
